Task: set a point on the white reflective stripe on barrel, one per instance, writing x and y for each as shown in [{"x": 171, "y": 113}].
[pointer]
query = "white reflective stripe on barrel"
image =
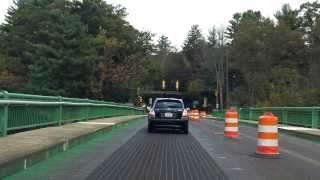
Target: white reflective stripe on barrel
[
  {"x": 231, "y": 129},
  {"x": 271, "y": 129},
  {"x": 231, "y": 120},
  {"x": 266, "y": 142}
]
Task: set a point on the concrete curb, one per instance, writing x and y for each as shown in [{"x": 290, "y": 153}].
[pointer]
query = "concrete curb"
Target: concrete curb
[
  {"x": 299, "y": 134},
  {"x": 22, "y": 163}
]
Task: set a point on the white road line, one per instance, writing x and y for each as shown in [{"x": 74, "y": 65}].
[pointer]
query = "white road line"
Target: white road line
[
  {"x": 97, "y": 123},
  {"x": 297, "y": 128},
  {"x": 292, "y": 153},
  {"x": 297, "y": 155},
  {"x": 236, "y": 169},
  {"x": 220, "y": 157}
]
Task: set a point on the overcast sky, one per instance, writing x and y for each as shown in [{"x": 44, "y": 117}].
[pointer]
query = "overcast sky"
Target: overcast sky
[{"x": 174, "y": 18}]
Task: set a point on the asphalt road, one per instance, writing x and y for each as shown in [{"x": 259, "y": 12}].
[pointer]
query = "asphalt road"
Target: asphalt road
[
  {"x": 203, "y": 154},
  {"x": 159, "y": 156},
  {"x": 299, "y": 158}
]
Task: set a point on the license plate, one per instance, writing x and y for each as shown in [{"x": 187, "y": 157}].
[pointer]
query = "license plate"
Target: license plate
[{"x": 168, "y": 115}]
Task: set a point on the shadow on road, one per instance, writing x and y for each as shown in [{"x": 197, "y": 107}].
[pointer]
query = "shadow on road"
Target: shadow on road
[{"x": 167, "y": 131}]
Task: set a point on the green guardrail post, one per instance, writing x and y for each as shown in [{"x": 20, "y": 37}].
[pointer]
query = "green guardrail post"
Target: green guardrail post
[
  {"x": 87, "y": 109},
  {"x": 4, "y": 123},
  {"x": 315, "y": 117},
  {"x": 250, "y": 114},
  {"x": 284, "y": 114},
  {"x": 60, "y": 111}
]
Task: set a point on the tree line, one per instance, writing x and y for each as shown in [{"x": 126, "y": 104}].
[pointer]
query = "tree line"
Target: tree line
[
  {"x": 71, "y": 48},
  {"x": 87, "y": 49},
  {"x": 255, "y": 60}
]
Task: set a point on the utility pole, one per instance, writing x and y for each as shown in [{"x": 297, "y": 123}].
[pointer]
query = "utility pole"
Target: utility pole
[
  {"x": 217, "y": 98},
  {"x": 227, "y": 79},
  {"x": 177, "y": 85},
  {"x": 163, "y": 84}
]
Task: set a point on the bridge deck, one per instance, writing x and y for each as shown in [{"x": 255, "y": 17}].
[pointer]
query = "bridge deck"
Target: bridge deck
[
  {"x": 159, "y": 156},
  {"x": 203, "y": 154}
]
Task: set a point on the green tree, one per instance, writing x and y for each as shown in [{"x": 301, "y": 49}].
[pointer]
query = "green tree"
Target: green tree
[
  {"x": 288, "y": 17},
  {"x": 270, "y": 53},
  {"x": 57, "y": 54},
  {"x": 192, "y": 50},
  {"x": 194, "y": 40},
  {"x": 92, "y": 14},
  {"x": 194, "y": 89},
  {"x": 9, "y": 77},
  {"x": 250, "y": 33},
  {"x": 239, "y": 19},
  {"x": 309, "y": 14},
  {"x": 212, "y": 37},
  {"x": 74, "y": 48},
  {"x": 164, "y": 45}
]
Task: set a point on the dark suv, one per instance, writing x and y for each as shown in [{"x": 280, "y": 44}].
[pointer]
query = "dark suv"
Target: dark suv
[{"x": 168, "y": 113}]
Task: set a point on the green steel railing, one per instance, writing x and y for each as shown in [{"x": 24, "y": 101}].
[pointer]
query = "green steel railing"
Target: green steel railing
[
  {"x": 22, "y": 111},
  {"x": 297, "y": 116},
  {"x": 218, "y": 113}
]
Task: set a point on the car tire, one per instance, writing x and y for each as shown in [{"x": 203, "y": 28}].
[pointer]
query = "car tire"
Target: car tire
[
  {"x": 150, "y": 128},
  {"x": 186, "y": 128}
]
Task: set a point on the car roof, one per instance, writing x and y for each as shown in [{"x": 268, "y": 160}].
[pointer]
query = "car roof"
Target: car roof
[{"x": 168, "y": 99}]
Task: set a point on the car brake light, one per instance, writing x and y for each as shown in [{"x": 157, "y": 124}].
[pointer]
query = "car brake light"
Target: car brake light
[
  {"x": 152, "y": 114},
  {"x": 185, "y": 113}
]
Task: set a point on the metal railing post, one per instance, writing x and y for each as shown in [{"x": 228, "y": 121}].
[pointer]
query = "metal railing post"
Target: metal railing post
[
  {"x": 284, "y": 119},
  {"x": 5, "y": 120},
  {"x": 4, "y": 123},
  {"x": 315, "y": 117},
  {"x": 87, "y": 110},
  {"x": 60, "y": 111},
  {"x": 250, "y": 113}
]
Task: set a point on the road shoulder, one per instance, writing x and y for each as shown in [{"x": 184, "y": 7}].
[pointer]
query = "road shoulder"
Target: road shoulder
[{"x": 22, "y": 150}]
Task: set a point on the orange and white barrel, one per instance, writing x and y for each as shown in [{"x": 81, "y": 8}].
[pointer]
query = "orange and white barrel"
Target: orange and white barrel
[
  {"x": 267, "y": 135},
  {"x": 196, "y": 115},
  {"x": 231, "y": 129},
  {"x": 203, "y": 114},
  {"x": 190, "y": 114}
]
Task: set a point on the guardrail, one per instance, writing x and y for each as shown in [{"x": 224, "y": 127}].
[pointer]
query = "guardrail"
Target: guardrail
[
  {"x": 22, "y": 111},
  {"x": 297, "y": 116}
]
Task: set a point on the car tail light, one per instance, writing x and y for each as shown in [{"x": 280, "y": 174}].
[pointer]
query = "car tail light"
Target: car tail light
[
  {"x": 152, "y": 114},
  {"x": 185, "y": 113}
]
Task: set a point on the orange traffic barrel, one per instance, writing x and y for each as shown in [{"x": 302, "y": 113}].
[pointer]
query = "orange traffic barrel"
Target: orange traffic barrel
[
  {"x": 268, "y": 136},
  {"x": 195, "y": 116},
  {"x": 203, "y": 114},
  {"x": 231, "y": 129},
  {"x": 190, "y": 114}
]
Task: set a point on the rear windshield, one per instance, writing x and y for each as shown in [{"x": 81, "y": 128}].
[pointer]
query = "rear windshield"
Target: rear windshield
[{"x": 168, "y": 104}]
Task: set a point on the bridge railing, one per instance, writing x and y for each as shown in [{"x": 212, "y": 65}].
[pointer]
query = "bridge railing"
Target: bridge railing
[
  {"x": 297, "y": 116},
  {"x": 22, "y": 111}
]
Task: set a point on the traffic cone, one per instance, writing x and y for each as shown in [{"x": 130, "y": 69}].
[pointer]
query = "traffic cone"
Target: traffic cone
[
  {"x": 268, "y": 136},
  {"x": 231, "y": 129}
]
